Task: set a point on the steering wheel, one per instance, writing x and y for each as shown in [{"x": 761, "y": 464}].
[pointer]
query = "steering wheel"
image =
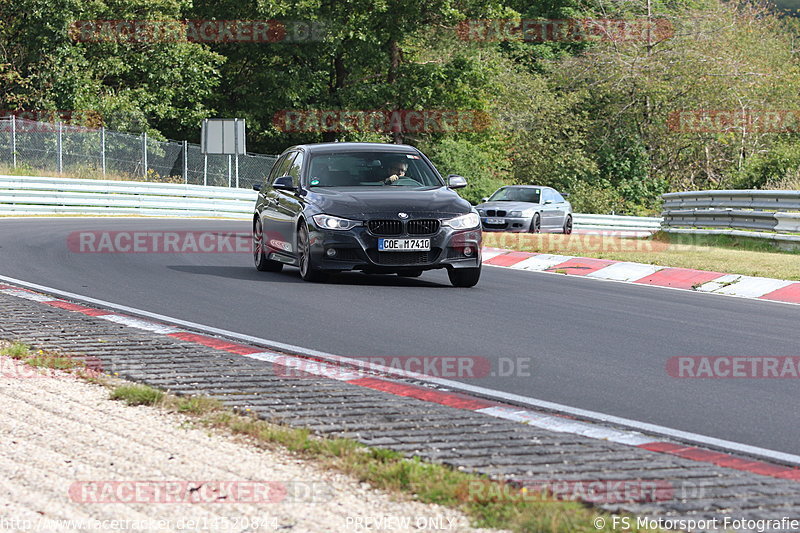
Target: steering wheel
[{"x": 405, "y": 181}]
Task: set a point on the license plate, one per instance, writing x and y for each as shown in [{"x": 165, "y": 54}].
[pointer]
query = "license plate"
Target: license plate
[
  {"x": 495, "y": 221},
  {"x": 404, "y": 245}
]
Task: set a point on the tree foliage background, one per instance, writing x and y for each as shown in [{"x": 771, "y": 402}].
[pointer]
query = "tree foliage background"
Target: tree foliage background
[{"x": 591, "y": 118}]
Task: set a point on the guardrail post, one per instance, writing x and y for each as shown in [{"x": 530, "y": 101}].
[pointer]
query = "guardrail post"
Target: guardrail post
[
  {"x": 144, "y": 155},
  {"x": 229, "y": 170},
  {"x": 236, "y": 149},
  {"x": 185, "y": 162},
  {"x": 205, "y": 169},
  {"x": 237, "y": 170},
  {"x": 103, "y": 149},
  {"x": 60, "y": 149},
  {"x": 13, "y": 140}
]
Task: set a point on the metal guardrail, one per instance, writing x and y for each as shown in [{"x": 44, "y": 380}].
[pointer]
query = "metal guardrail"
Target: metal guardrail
[
  {"x": 735, "y": 199},
  {"x": 24, "y": 195},
  {"x": 41, "y": 195},
  {"x": 616, "y": 223},
  {"x": 768, "y": 213}
]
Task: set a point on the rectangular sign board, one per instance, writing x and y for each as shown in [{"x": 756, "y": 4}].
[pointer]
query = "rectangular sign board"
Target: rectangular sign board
[{"x": 223, "y": 136}]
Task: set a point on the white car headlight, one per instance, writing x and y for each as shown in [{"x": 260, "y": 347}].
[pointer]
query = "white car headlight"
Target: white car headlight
[
  {"x": 515, "y": 214},
  {"x": 468, "y": 221},
  {"x": 481, "y": 212},
  {"x": 336, "y": 223}
]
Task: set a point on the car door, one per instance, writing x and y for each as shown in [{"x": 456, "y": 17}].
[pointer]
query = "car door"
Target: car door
[
  {"x": 271, "y": 213},
  {"x": 561, "y": 209},
  {"x": 550, "y": 211},
  {"x": 289, "y": 204}
]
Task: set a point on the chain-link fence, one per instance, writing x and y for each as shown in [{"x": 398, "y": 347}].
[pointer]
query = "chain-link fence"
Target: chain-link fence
[{"x": 43, "y": 147}]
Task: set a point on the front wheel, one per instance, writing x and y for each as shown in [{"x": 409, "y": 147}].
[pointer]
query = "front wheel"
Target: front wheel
[
  {"x": 259, "y": 252},
  {"x": 536, "y": 224},
  {"x": 567, "y": 230},
  {"x": 464, "y": 277},
  {"x": 308, "y": 271}
]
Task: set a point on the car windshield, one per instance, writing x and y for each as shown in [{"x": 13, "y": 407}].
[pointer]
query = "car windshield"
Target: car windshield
[
  {"x": 371, "y": 169},
  {"x": 517, "y": 194}
]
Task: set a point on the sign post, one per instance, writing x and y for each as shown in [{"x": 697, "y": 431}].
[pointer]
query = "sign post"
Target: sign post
[{"x": 224, "y": 136}]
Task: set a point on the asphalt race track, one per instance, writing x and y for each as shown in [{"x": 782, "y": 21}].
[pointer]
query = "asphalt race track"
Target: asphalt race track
[{"x": 595, "y": 345}]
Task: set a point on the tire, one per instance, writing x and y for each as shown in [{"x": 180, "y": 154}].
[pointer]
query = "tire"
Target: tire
[
  {"x": 536, "y": 224},
  {"x": 308, "y": 271},
  {"x": 464, "y": 277},
  {"x": 259, "y": 256},
  {"x": 567, "y": 230},
  {"x": 410, "y": 274}
]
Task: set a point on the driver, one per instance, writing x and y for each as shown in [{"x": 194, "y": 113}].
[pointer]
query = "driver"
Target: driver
[{"x": 396, "y": 169}]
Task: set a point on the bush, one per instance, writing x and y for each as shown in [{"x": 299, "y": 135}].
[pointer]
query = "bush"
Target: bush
[
  {"x": 482, "y": 165},
  {"x": 780, "y": 163},
  {"x": 598, "y": 198}
]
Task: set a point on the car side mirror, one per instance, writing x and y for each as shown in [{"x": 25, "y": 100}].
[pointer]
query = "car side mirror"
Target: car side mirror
[
  {"x": 485, "y": 199},
  {"x": 454, "y": 181},
  {"x": 546, "y": 202},
  {"x": 256, "y": 186},
  {"x": 284, "y": 183},
  {"x": 565, "y": 194}
]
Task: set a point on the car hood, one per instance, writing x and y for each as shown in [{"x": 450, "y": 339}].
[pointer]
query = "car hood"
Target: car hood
[
  {"x": 363, "y": 201},
  {"x": 508, "y": 206}
]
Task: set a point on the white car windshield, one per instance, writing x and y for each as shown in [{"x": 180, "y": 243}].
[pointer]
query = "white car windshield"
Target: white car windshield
[{"x": 517, "y": 194}]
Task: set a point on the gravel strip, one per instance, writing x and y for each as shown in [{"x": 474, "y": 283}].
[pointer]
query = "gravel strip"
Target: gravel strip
[{"x": 60, "y": 433}]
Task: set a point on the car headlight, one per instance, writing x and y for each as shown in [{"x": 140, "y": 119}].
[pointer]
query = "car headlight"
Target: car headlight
[
  {"x": 331, "y": 222},
  {"x": 468, "y": 221},
  {"x": 515, "y": 214},
  {"x": 480, "y": 212}
]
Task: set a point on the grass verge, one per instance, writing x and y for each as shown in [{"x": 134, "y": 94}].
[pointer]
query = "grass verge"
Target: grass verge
[
  {"x": 717, "y": 253},
  {"x": 40, "y": 359},
  {"x": 487, "y": 503}
]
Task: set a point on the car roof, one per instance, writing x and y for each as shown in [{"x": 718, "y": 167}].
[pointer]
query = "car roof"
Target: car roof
[
  {"x": 526, "y": 187},
  {"x": 327, "y": 148}
]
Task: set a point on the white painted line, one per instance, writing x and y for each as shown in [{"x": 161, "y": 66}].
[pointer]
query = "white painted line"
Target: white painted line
[
  {"x": 645, "y": 286},
  {"x": 305, "y": 366},
  {"x": 555, "y": 423},
  {"x": 746, "y": 286},
  {"x": 140, "y": 324},
  {"x": 488, "y": 254},
  {"x": 625, "y": 271},
  {"x": 717, "y": 283},
  {"x": 541, "y": 262},
  {"x": 28, "y": 295},
  {"x": 643, "y": 427}
]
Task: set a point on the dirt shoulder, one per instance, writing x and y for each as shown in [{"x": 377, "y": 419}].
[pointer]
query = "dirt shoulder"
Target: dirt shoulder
[{"x": 71, "y": 453}]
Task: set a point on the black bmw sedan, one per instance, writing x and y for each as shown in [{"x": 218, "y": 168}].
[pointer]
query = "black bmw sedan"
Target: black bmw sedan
[{"x": 377, "y": 208}]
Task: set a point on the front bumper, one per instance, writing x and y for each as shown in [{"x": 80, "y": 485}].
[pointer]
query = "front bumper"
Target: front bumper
[
  {"x": 509, "y": 224},
  {"x": 357, "y": 249}
]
